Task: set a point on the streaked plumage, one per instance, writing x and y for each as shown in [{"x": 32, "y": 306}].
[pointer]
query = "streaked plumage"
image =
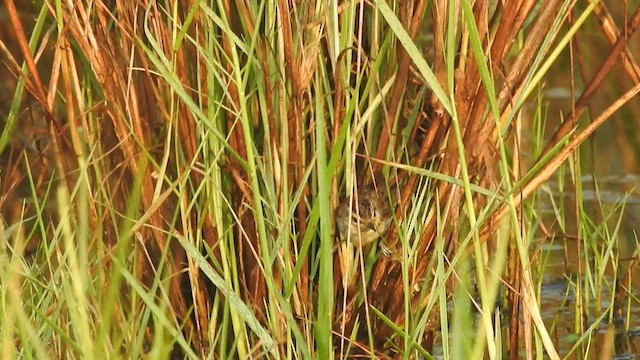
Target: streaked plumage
[{"x": 375, "y": 216}]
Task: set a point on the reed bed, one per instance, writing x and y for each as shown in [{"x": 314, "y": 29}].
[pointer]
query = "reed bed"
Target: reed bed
[{"x": 170, "y": 174}]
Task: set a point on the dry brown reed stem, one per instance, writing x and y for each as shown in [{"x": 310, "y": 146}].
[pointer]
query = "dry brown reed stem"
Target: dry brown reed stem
[
  {"x": 185, "y": 60},
  {"x": 103, "y": 48},
  {"x": 98, "y": 47},
  {"x": 39, "y": 91},
  {"x": 469, "y": 94},
  {"x": 386, "y": 274},
  {"x": 596, "y": 81},
  {"x": 631, "y": 69},
  {"x": 426, "y": 145},
  {"x": 512, "y": 16},
  {"x": 35, "y": 86},
  {"x": 64, "y": 59},
  {"x": 246, "y": 231},
  {"x": 610, "y": 31},
  {"x": 439, "y": 66},
  {"x": 381, "y": 270},
  {"x": 545, "y": 173},
  {"x": 513, "y": 81},
  {"x": 522, "y": 63},
  {"x": 414, "y": 16},
  {"x": 298, "y": 83},
  {"x": 479, "y": 130}
]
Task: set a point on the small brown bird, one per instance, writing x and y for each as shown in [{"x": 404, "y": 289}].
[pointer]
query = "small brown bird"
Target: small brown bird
[{"x": 368, "y": 218}]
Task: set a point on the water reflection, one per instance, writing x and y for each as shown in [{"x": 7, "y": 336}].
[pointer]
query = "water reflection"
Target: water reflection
[{"x": 591, "y": 257}]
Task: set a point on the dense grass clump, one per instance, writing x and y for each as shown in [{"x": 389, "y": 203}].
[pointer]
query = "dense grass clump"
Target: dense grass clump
[{"x": 171, "y": 171}]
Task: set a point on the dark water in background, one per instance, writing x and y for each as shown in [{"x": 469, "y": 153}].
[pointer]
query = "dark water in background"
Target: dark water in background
[
  {"x": 566, "y": 256},
  {"x": 610, "y": 163},
  {"x": 610, "y": 177}
]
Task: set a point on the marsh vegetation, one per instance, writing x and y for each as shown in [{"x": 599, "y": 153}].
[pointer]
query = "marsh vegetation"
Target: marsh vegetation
[{"x": 171, "y": 171}]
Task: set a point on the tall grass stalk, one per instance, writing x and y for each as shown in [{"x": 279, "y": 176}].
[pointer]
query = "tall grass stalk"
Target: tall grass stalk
[{"x": 170, "y": 173}]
